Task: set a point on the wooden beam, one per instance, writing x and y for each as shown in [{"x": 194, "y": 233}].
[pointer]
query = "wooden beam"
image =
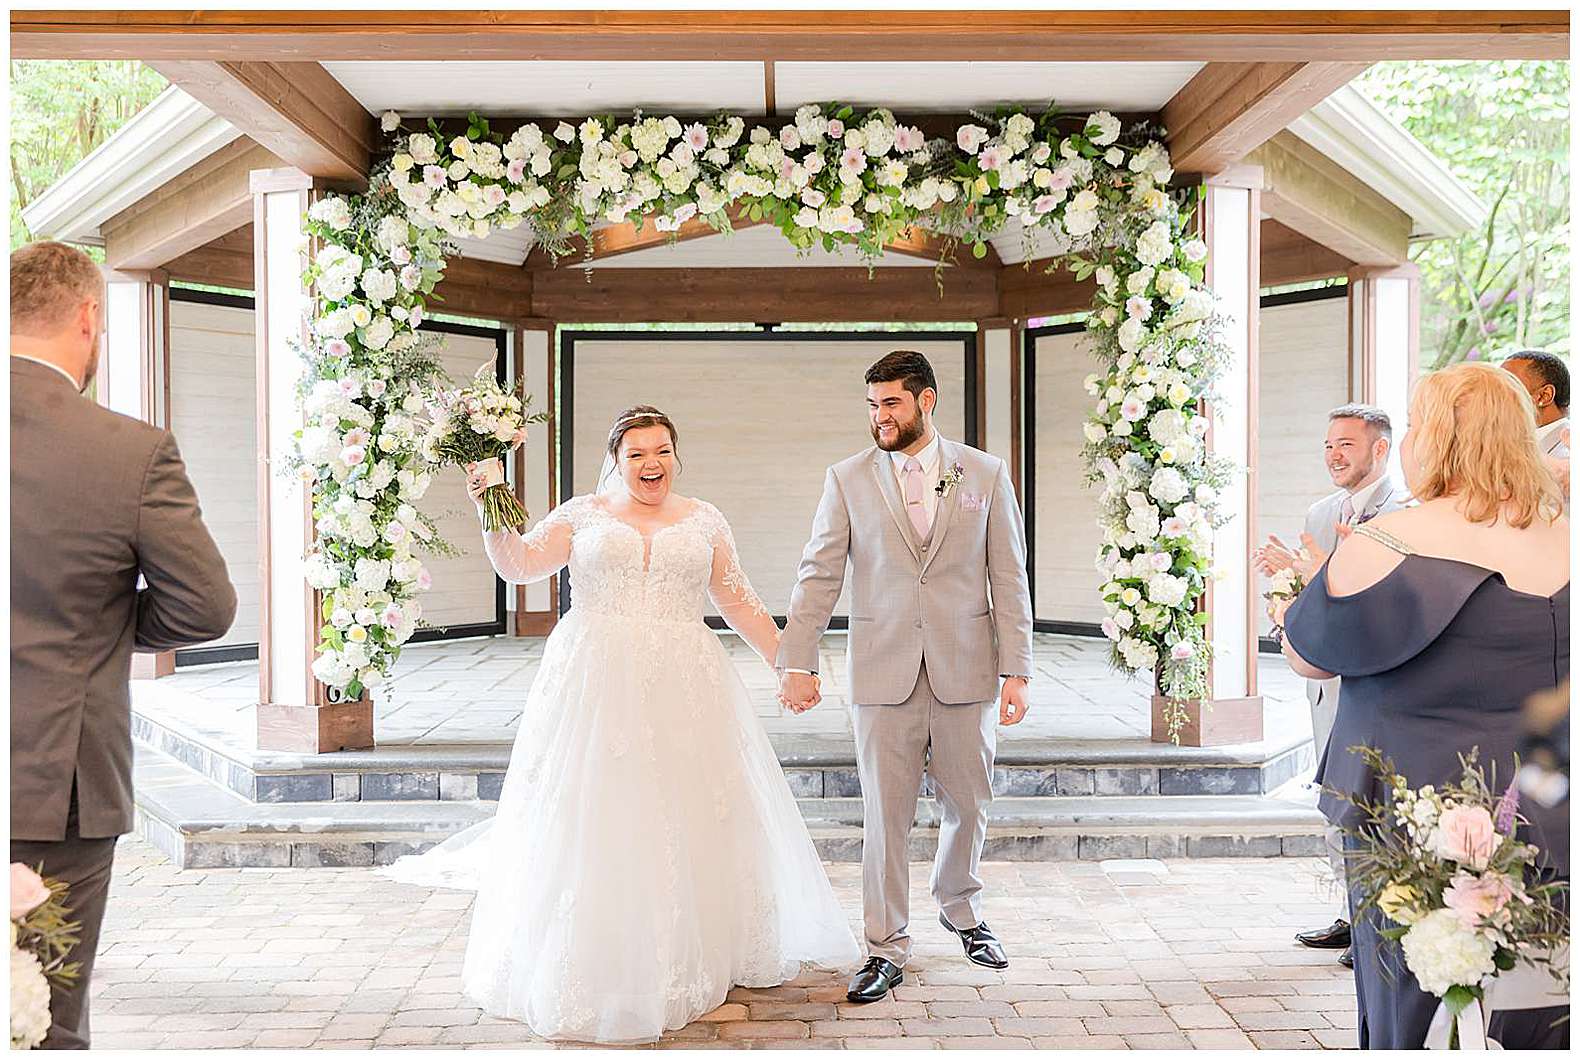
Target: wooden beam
[
  {"x": 831, "y": 293},
  {"x": 1228, "y": 109},
  {"x": 625, "y": 238},
  {"x": 223, "y": 262},
  {"x": 1313, "y": 195},
  {"x": 914, "y": 36},
  {"x": 209, "y": 200},
  {"x": 296, "y": 109},
  {"x": 1289, "y": 257},
  {"x": 1028, "y": 289},
  {"x": 768, "y": 87},
  {"x": 920, "y": 243}
]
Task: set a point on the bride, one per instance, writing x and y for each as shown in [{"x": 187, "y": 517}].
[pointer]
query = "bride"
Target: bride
[{"x": 647, "y": 853}]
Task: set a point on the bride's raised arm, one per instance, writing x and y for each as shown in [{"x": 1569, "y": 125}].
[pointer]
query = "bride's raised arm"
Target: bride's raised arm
[
  {"x": 733, "y": 595},
  {"x": 522, "y": 559}
]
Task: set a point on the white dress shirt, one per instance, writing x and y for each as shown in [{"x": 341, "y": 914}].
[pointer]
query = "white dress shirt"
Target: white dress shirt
[
  {"x": 1549, "y": 440},
  {"x": 930, "y": 458}
]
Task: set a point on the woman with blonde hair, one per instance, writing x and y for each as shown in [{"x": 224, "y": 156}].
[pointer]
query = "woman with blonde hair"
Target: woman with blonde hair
[{"x": 1442, "y": 619}]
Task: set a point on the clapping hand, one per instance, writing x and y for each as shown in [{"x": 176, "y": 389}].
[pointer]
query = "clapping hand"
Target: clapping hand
[
  {"x": 799, "y": 692},
  {"x": 1274, "y": 557}
]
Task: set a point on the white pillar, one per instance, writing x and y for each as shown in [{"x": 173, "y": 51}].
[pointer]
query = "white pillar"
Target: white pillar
[
  {"x": 997, "y": 398},
  {"x": 133, "y": 377},
  {"x": 293, "y": 709},
  {"x": 1385, "y": 342},
  {"x": 1230, "y": 221},
  {"x": 532, "y": 470}
]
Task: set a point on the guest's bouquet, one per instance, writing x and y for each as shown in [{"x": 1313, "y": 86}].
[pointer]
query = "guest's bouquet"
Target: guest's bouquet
[
  {"x": 483, "y": 421},
  {"x": 1463, "y": 892},
  {"x": 41, "y": 937},
  {"x": 1285, "y": 586}
]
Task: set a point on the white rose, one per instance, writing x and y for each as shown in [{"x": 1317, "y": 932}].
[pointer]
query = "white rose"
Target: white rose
[
  {"x": 1195, "y": 250},
  {"x": 379, "y": 333},
  {"x": 1132, "y": 334},
  {"x": 332, "y": 211},
  {"x": 389, "y": 121},
  {"x": 1095, "y": 432},
  {"x": 1114, "y": 156},
  {"x": 379, "y": 284}
]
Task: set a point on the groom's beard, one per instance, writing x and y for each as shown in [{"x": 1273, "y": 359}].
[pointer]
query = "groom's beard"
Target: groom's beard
[{"x": 905, "y": 434}]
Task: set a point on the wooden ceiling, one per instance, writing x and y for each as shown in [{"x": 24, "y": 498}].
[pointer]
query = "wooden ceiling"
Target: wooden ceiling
[{"x": 1239, "y": 36}]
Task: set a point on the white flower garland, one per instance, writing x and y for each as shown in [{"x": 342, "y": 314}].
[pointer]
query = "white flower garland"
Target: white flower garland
[{"x": 829, "y": 178}]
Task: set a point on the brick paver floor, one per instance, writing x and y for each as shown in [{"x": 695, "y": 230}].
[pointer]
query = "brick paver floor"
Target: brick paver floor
[{"x": 1118, "y": 955}]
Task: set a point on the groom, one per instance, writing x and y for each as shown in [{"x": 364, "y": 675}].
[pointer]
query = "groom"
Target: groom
[{"x": 940, "y": 610}]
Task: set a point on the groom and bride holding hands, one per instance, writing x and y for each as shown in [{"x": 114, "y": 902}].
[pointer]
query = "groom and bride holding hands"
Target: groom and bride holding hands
[{"x": 647, "y": 854}]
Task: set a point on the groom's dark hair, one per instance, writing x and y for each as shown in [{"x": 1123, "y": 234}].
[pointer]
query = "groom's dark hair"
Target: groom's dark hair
[{"x": 907, "y": 366}]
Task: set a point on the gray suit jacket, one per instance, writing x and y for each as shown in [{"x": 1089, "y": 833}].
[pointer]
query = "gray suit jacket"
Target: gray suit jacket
[
  {"x": 1321, "y": 523},
  {"x": 96, "y": 499},
  {"x": 912, "y": 599}
]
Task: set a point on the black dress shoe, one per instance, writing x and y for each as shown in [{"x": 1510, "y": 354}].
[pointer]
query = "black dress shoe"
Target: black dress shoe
[
  {"x": 1347, "y": 958},
  {"x": 981, "y": 945},
  {"x": 1334, "y": 937},
  {"x": 873, "y": 983}
]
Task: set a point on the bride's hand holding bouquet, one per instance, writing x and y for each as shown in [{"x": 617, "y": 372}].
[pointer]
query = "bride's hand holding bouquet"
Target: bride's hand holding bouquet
[{"x": 474, "y": 428}]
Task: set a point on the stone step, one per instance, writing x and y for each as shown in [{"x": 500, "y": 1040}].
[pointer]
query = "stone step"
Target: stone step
[
  {"x": 814, "y": 767},
  {"x": 199, "y": 823}
]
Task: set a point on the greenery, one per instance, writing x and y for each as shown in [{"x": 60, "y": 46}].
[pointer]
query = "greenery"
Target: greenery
[
  {"x": 1503, "y": 128},
  {"x": 61, "y": 111}
]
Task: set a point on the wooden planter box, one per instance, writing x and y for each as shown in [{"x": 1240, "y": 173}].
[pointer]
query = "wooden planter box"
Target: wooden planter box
[
  {"x": 316, "y": 729},
  {"x": 1208, "y": 723}
]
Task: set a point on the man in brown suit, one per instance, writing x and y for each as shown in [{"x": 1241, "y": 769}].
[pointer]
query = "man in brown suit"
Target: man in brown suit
[{"x": 97, "y": 499}]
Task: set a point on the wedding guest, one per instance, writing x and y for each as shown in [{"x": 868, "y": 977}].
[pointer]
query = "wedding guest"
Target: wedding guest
[
  {"x": 97, "y": 499},
  {"x": 1546, "y": 378},
  {"x": 1442, "y": 619},
  {"x": 1359, "y": 440}
]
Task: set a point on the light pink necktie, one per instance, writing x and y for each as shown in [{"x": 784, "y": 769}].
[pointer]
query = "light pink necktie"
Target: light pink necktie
[
  {"x": 1347, "y": 511},
  {"x": 915, "y": 506}
]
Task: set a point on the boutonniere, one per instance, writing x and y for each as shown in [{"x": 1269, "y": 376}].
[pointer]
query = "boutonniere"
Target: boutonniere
[{"x": 952, "y": 478}]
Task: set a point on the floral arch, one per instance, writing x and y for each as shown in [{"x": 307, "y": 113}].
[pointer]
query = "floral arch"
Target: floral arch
[{"x": 829, "y": 178}]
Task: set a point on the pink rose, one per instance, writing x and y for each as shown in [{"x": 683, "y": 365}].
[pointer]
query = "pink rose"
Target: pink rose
[
  {"x": 433, "y": 176},
  {"x": 1465, "y": 834},
  {"x": 27, "y": 891},
  {"x": 1044, "y": 203},
  {"x": 696, "y": 137},
  {"x": 854, "y": 159},
  {"x": 1062, "y": 179},
  {"x": 337, "y": 348},
  {"x": 1474, "y": 899},
  {"x": 1182, "y": 650},
  {"x": 352, "y": 455},
  {"x": 424, "y": 580},
  {"x": 836, "y": 128},
  {"x": 516, "y": 170}
]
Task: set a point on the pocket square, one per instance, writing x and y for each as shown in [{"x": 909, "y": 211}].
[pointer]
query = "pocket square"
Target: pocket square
[{"x": 972, "y": 502}]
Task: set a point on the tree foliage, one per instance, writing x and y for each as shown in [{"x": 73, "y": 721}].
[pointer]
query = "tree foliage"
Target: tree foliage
[
  {"x": 1503, "y": 128},
  {"x": 60, "y": 112}
]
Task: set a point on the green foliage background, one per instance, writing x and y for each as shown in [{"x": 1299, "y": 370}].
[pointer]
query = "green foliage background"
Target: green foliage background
[{"x": 1502, "y": 127}]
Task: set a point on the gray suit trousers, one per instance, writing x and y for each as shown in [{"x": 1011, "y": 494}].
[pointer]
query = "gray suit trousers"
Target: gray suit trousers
[
  {"x": 84, "y": 864},
  {"x": 895, "y": 742}
]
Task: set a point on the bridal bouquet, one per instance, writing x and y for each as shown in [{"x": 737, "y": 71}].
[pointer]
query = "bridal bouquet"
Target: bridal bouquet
[
  {"x": 40, "y": 939},
  {"x": 1446, "y": 867},
  {"x": 483, "y": 421}
]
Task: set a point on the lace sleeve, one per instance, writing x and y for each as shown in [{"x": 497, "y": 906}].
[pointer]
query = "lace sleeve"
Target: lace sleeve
[
  {"x": 732, "y": 592},
  {"x": 538, "y": 554}
]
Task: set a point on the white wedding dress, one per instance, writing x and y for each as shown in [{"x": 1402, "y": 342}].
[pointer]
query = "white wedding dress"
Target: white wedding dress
[{"x": 647, "y": 852}]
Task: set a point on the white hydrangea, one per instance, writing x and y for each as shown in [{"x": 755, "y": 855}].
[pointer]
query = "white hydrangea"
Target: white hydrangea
[
  {"x": 379, "y": 285},
  {"x": 1132, "y": 334},
  {"x": 1167, "y": 427},
  {"x": 1155, "y": 244},
  {"x": 1166, "y": 590},
  {"x": 332, "y": 211},
  {"x": 1102, "y": 128},
  {"x": 379, "y": 333},
  {"x": 1168, "y": 485},
  {"x": 1442, "y": 953},
  {"x": 30, "y": 1017}
]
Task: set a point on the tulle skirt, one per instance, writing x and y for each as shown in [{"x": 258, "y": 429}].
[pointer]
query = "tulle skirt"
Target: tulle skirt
[{"x": 647, "y": 853}]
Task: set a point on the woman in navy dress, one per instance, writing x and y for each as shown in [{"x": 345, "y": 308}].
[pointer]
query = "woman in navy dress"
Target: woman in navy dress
[{"x": 1443, "y": 619}]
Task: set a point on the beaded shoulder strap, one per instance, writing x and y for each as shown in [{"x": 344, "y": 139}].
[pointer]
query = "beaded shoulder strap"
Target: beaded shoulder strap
[{"x": 1384, "y": 538}]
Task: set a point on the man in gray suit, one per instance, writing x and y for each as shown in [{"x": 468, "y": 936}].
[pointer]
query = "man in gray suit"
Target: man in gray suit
[
  {"x": 1359, "y": 440},
  {"x": 1545, "y": 377},
  {"x": 97, "y": 499},
  {"x": 940, "y": 612}
]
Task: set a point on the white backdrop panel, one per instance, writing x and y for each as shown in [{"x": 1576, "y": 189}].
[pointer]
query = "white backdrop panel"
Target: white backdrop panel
[
  {"x": 1304, "y": 373},
  {"x": 214, "y": 416},
  {"x": 463, "y": 586},
  {"x": 759, "y": 421}
]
